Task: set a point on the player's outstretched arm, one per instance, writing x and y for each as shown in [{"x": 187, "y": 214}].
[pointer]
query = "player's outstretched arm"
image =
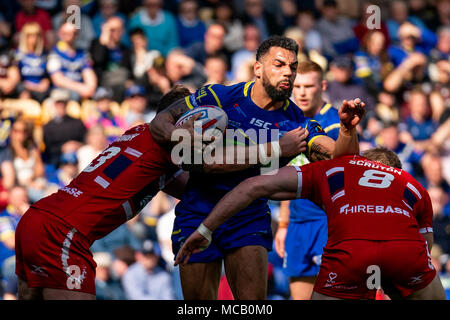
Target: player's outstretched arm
[
  {"x": 324, "y": 148},
  {"x": 162, "y": 126},
  {"x": 281, "y": 186}
]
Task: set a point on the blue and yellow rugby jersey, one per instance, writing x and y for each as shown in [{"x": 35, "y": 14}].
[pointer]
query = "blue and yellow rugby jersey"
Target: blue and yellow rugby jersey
[
  {"x": 204, "y": 191},
  {"x": 302, "y": 209}
]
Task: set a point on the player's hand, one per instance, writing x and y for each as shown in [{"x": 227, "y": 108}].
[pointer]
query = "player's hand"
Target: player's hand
[
  {"x": 293, "y": 142},
  {"x": 195, "y": 243},
  {"x": 280, "y": 238},
  {"x": 351, "y": 113}
]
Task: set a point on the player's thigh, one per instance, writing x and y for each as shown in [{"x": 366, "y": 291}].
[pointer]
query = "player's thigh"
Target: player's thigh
[
  {"x": 301, "y": 287},
  {"x": 26, "y": 293},
  {"x": 59, "y": 294},
  {"x": 433, "y": 291},
  {"x": 200, "y": 281},
  {"x": 246, "y": 270}
]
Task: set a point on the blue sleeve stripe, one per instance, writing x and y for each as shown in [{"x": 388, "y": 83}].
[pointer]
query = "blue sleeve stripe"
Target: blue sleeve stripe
[
  {"x": 409, "y": 197},
  {"x": 117, "y": 166},
  {"x": 336, "y": 182}
]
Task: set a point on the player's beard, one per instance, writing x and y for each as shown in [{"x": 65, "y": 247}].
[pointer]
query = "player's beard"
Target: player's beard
[{"x": 274, "y": 93}]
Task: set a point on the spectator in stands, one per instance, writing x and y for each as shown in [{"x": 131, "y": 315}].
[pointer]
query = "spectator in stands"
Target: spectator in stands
[
  {"x": 106, "y": 287},
  {"x": 136, "y": 103},
  {"x": 255, "y": 13},
  {"x": 343, "y": 87},
  {"x": 216, "y": 67},
  {"x": 190, "y": 28},
  {"x": 225, "y": 14},
  {"x": 86, "y": 31},
  {"x": 398, "y": 16},
  {"x": 145, "y": 280},
  {"x": 31, "y": 60},
  {"x": 159, "y": 26},
  {"x": 111, "y": 121},
  {"x": 96, "y": 142},
  {"x": 122, "y": 236},
  {"x": 433, "y": 174},
  {"x": 441, "y": 218},
  {"x": 62, "y": 133},
  {"x": 28, "y": 166},
  {"x": 108, "y": 9},
  {"x": 30, "y": 13},
  {"x": 9, "y": 74},
  {"x": 71, "y": 68},
  {"x": 306, "y": 22},
  {"x": 412, "y": 39},
  {"x": 389, "y": 137},
  {"x": 67, "y": 171},
  {"x": 111, "y": 59},
  {"x": 418, "y": 127},
  {"x": 213, "y": 44},
  {"x": 5, "y": 30},
  {"x": 18, "y": 203},
  {"x": 439, "y": 69},
  {"x": 443, "y": 11},
  {"x": 181, "y": 69},
  {"x": 252, "y": 39},
  {"x": 143, "y": 67},
  {"x": 372, "y": 61},
  {"x": 336, "y": 31},
  {"x": 303, "y": 54}
]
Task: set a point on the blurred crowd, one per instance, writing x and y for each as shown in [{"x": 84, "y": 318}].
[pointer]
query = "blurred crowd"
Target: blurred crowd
[{"x": 74, "y": 75}]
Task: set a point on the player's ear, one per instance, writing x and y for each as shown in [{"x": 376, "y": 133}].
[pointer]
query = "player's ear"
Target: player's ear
[
  {"x": 324, "y": 85},
  {"x": 257, "y": 69}
]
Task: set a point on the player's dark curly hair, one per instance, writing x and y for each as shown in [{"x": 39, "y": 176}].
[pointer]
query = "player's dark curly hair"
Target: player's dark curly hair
[
  {"x": 276, "y": 41},
  {"x": 175, "y": 94},
  {"x": 384, "y": 156}
]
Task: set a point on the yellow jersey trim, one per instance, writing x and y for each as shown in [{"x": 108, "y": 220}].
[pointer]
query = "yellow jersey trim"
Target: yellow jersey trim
[
  {"x": 333, "y": 126},
  {"x": 286, "y": 105},
  {"x": 215, "y": 96},
  {"x": 246, "y": 86},
  {"x": 176, "y": 232},
  {"x": 188, "y": 103},
  {"x": 325, "y": 108},
  {"x": 310, "y": 144}
]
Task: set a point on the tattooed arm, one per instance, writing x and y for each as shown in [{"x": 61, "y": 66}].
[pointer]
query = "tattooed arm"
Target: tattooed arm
[
  {"x": 163, "y": 124},
  {"x": 324, "y": 148}
]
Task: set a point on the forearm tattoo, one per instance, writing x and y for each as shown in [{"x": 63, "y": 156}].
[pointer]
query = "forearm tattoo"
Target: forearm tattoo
[{"x": 318, "y": 153}]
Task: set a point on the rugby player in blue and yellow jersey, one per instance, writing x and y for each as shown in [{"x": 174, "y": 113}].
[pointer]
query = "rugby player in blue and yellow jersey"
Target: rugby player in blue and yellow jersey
[{"x": 243, "y": 242}]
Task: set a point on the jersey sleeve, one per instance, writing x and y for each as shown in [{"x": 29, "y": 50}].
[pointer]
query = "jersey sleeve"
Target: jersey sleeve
[
  {"x": 207, "y": 95},
  {"x": 315, "y": 130},
  {"x": 307, "y": 176},
  {"x": 424, "y": 214}
]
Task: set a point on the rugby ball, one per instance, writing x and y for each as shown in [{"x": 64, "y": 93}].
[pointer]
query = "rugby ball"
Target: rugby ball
[{"x": 212, "y": 118}]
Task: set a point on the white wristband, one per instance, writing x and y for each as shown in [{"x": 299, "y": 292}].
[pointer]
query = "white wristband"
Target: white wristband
[
  {"x": 276, "y": 149},
  {"x": 263, "y": 158},
  {"x": 204, "y": 231}
]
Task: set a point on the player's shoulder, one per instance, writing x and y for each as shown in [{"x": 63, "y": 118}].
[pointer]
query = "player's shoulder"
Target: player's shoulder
[{"x": 329, "y": 111}]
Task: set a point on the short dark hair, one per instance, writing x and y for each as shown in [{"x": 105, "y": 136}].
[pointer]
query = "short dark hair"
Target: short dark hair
[
  {"x": 276, "y": 41},
  {"x": 176, "y": 93},
  {"x": 384, "y": 156},
  {"x": 137, "y": 31}
]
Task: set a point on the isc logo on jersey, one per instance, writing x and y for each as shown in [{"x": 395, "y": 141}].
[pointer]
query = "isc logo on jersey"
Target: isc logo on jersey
[{"x": 260, "y": 123}]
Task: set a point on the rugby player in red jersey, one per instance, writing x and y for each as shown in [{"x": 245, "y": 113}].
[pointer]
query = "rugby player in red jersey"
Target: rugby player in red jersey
[
  {"x": 378, "y": 215},
  {"x": 53, "y": 260}
]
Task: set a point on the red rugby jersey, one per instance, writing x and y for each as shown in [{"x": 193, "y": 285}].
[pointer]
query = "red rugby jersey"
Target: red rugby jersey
[
  {"x": 367, "y": 200},
  {"x": 114, "y": 187}
]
